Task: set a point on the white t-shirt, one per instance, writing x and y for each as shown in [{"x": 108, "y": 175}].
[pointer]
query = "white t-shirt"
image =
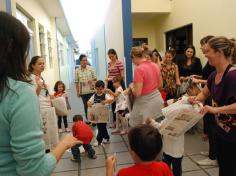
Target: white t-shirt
[
  {"x": 171, "y": 146},
  {"x": 44, "y": 100},
  {"x": 121, "y": 102}
]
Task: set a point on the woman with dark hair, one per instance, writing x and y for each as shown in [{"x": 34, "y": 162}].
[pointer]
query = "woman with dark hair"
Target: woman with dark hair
[
  {"x": 21, "y": 146},
  {"x": 115, "y": 69},
  {"x": 189, "y": 65},
  {"x": 48, "y": 115},
  {"x": 156, "y": 57}
]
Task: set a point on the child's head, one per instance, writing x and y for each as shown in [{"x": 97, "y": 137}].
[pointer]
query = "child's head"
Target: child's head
[
  {"x": 99, "y": 86},
  {"x": 116, "y": 82},
  {"x": 169, "y": 57},
  {"x": 145, "y": 142},
  {"x": 59, "y": 86},
  {"x": 77, "y": 118}
]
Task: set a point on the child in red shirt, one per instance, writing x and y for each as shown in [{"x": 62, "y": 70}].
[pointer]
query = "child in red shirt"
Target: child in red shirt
[
  {"x": 145, "y": 143},
  {"x": 82, "y": 132}
]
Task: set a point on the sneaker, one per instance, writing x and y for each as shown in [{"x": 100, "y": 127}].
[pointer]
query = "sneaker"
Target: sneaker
[
  {"x": 123, "y": 132},
  {"x": 93, "y": 157},
  {"x": 67, "y": 130},
  {"x": 106, "y": 141},
  {"x": 204, "y": 153},
  {"x": 96, "y": 144},
  {"x": 60, "y": 130},
  {"x": 75, "y": 160},
  {"x": 207, "y": 162}
]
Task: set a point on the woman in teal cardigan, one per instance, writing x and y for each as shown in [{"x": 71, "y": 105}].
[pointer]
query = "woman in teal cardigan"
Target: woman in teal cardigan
[{"x": 21, "y": 146}]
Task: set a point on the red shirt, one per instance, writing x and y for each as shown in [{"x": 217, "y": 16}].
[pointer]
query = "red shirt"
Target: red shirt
[
  {"x": 82, "y": 132},
  {"x": 149, "y": 74},
  {"x": 153, "y": 169}
]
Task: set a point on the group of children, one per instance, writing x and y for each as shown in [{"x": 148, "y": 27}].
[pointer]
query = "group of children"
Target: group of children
[{"x": 145, "y": 140}]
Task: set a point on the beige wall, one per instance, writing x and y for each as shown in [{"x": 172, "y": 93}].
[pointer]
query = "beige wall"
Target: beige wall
[
  {"x": 150, "y": 6},
  {"x": 2, "y": 5},
  {"x": 215, "y": 17},
  {"x": 39, "y": 16},
  {"x": 114, "y": 28},
  {"x": 144, "y": 28}
]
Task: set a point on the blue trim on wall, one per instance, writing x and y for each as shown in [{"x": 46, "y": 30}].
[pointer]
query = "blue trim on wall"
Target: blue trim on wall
[
  {"x": 127, "y": 34},
  {"x": 8, "y": 7}
]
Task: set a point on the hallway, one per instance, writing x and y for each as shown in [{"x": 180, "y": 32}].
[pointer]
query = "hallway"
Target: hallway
[{"x": 119, "y": 145}]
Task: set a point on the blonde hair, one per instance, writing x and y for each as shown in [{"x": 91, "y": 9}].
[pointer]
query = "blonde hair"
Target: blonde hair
[
  {"x": 228, "y": 46},
  {"x": 136, "y": 52}
]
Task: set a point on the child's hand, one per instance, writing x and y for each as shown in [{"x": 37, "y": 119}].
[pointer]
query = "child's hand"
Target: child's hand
[
  {"x": 111, "y": 161},
  {"x": 148, "y": 121},
  {"x": 104, "y": 102},
  {"x": 89, "y": 104}
]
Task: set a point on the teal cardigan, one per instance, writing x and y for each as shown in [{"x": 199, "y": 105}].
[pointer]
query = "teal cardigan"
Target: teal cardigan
[{"x": 21, "y": 145}]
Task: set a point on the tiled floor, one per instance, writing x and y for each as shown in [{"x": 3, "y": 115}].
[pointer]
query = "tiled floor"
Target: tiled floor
[{"x": 119, "y": 144}]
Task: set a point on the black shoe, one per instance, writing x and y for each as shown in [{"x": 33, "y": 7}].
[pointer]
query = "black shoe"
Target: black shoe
[{"x": 88, "y": 123}]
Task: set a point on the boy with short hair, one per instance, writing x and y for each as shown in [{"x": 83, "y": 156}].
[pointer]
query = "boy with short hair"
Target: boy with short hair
[
  {"x": 101, "y": 97},
  {"x": 145, "y": 144},
  {"x": 82, "y": 131}
]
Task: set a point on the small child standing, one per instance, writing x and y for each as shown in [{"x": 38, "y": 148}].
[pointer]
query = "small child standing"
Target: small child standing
[
  {"x": 173, "y": 149},
  {"x": 145, "y": 144},
  {"x": 121, "y": 107},
  {"x": 59, "y": 89},
  {"x": 101, "y": 97},
  {"x": 82, "y": 132}
]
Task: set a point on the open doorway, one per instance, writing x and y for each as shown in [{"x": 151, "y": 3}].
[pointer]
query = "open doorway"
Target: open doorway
[{"x": 179, "y": 38}]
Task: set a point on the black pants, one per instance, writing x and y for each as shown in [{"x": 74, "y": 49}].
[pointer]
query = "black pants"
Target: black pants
[
  {"x": 76, "y": 152},
  {"x": 85, "y": 99},
  {"x": 59, "y": 119},
  {"x": 102, "y": 132},
  {"x": 210, "y": 128},
  {"x": 176, "y": 164},
  {"x": 226, "y": 156}
]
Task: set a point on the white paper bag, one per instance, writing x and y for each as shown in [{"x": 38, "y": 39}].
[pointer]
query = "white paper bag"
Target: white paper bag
[
  {"x": 98, "y": 113},
  {"x": 60, "y": 106}
]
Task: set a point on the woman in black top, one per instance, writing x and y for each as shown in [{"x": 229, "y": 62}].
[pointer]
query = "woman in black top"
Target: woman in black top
[{"x": 189, "y": 65}]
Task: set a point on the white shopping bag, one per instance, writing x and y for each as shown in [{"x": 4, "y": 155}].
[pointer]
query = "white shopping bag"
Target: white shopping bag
[{"x": 60, "y": 106}]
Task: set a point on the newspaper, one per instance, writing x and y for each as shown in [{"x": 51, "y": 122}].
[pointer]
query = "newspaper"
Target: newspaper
[
  {"x": 49, "y": 127},
  {"x": 60, "y": 106},
  {"x": 180, "y": 117},
  {"x": 87, "y": 87},
  {"x": 98, "y": 113}
]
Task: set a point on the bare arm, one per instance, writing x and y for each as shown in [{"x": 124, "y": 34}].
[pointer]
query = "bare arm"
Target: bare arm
[
  {"x": 137, "y": 89},
  {"x": 114, "y": 94},
  {"x": 77, "y": 88},
  {"x": 177, "y": 75}
]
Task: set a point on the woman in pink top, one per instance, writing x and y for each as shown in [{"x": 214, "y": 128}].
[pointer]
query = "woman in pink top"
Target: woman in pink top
[
  {"x": 147, "y": 80},
  {"x": 115, "y": 69}
]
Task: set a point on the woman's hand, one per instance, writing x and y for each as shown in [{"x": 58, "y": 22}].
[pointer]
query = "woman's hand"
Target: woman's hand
[
  {"x": 69, "y": 141},
  {"x": 209, "y": 109}
]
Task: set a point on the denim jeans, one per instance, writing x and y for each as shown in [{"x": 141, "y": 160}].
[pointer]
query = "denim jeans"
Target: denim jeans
[{"x": 76, "y": 152}]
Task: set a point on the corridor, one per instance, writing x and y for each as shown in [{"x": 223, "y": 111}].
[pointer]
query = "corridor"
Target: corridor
[{"x": 119, "y": 145}]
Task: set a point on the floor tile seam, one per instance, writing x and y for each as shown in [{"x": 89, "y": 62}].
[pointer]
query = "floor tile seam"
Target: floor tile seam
[
  {"x": 201, "y": 168},
  {"x": 55, "y": 172}
]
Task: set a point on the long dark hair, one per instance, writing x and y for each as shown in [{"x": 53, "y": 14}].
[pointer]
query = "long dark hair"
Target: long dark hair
[
  {"x": 14, "y": 47},
  {"x": 112, "y": 51},
  {"x": 32, "y": 62}
]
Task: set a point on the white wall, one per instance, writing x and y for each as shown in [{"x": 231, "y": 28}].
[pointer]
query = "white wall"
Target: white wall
[
  {"x": 100, "y": 54},
  {"x": 149, "y": 6},
  {"x": 114, "y": 28},
  {"x": 209, "y": 17},
  {"x": 34, "y": 9},
  {"x": 2, "y": 5}
]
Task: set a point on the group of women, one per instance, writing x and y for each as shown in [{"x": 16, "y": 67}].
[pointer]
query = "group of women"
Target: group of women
[{"x": 22, "y": 150}]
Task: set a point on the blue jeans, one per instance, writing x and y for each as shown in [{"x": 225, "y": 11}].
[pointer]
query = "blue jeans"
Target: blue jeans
[{"x": 76, "y": 152}]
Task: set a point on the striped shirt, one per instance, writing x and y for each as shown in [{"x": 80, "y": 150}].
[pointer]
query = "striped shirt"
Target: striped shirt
[
  {"x": 84, "y": 75},
  {"x": 115, "y": 70}
]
